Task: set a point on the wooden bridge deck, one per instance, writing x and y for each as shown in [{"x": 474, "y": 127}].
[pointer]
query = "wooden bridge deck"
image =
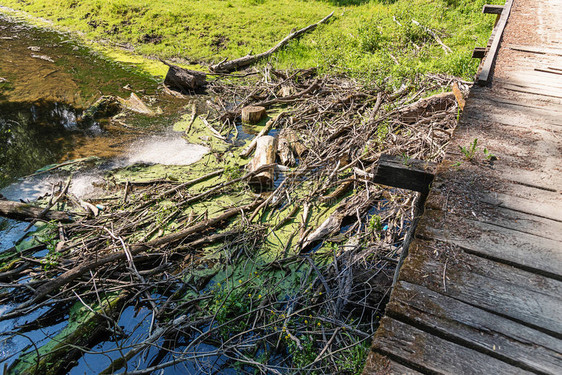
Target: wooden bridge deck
[{"x": 481, "y": 289}]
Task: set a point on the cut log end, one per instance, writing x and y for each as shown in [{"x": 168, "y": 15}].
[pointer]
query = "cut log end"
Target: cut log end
[{"x": 253, "y": 114}]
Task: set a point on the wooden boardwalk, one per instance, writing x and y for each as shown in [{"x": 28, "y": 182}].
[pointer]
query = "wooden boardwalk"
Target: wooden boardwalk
[{"x": 481, "y": 289}]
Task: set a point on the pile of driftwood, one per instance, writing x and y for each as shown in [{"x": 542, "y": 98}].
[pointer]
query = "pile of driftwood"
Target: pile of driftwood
[{"x": 309, "y": 182}]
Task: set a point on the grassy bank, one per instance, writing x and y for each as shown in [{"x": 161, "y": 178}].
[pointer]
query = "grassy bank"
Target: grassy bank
[{"x": 373, "y": 39}]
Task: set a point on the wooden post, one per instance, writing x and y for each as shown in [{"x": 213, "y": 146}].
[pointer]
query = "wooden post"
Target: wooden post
[
  {"x": 411, "y": 174},
  {"x": 252, "y": 114},
  {"x": 266, "y": 148}
]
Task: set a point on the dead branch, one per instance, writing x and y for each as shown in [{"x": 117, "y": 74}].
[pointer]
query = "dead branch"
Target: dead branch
[{"x": 228, "y": 66}]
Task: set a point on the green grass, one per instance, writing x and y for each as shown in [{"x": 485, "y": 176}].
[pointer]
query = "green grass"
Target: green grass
[{"x": 372, "y": 39}]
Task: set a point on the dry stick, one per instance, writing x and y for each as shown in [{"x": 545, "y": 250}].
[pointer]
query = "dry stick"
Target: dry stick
[
  {"x": 268, "y": 126},
  {"x": 185, "y": 184},
  {"x": 213, "y": 131},
  {"x": 193, "y": 116},
  {"x": 70, "y": 275},
  {"x": 159, "y": 332},
  {"x": 227, "y": 66},
  {"x": 287, "y": 99},
  {"x": 435, "y": 36}
]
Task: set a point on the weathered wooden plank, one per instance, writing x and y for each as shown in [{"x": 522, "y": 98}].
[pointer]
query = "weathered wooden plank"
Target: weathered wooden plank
[
  {"x": 532, "y": 90},
  {"x": 411, "y": 174},
  {"x": 434, "y": 354},
  {"x": 545, "y": 208},
  {"x": 513, "y": 114},
  {"x": 511, "y": 196},
  {"x": 506, "y": 218},
  {"x": 526, "y": 251},
  {"x": 540, "y": 49},
  {"x": 530, "y": 299},
  {"x": 488, "y": 63},
  {"x": 529, "y": 80},
  {"x": 478, "y": 329},
  {"x": 519, "y": 105},
  {"x": 492, "y": 9},
  {"x": 377, "y": 364}
]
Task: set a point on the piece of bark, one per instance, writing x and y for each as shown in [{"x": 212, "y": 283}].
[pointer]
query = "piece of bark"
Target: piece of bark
[
  {"x": 184, "y": 79},
  {"x": 24, "y": 211},
  {"x": 266, "y": 148},
  {"x": 285, "y": 151},
  {"x": 289, "y": 146},
  {"x": 459, "y": 96},
  {"x": 295, "y": 142},
  {"x": 252, "y": 114}
]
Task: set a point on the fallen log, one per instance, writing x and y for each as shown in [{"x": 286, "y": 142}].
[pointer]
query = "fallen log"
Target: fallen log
[
  {"x": 25, "y": 211},
  {"x": 184, "y": 80},
  {"x": 228, "y": 66},
  {"x": 266, "y": 149}
]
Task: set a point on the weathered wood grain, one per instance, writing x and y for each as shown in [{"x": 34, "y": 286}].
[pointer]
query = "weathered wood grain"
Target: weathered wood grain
[
  {"x": 519, "y": 295},
  {"x": 377, "y": 364},
  {"x": 488, "y": 63},
  {"x": 481, "y": 330},
  {"x": 433, "y": 354}
]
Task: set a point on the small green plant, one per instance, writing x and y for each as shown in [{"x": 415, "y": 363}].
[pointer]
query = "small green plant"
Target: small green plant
[
  {"x": 405, "y": 159},
  {"x": 489, "y": 156},
  {"x": 232, "y": 172},
  {"x": 470, "y": 151},
  {"x": 375, "y": 223}
]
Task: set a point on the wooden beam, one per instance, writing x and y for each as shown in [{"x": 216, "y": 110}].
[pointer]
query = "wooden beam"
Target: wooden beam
[
  {"x": 492, "y": 9},
  {"x": 411, "y": 174},
  {"x": 479, "y": 52},
  {"x": 488, "y": 63}
]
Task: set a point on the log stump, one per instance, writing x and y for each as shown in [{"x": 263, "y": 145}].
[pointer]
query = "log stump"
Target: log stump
[
  {"x": 252, "y": 114},
  {"x": 266, "y": 148},
  {"x": 183, "y": 79}
]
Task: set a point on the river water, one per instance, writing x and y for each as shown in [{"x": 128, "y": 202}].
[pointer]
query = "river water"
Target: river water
[{"x": 47, "y": 81}]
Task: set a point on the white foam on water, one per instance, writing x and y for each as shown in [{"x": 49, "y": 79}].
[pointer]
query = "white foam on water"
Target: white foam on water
[
  {"x": 83, "y": 185},
  {"x": 153, "y": 150},
  {"x": 165, "y": 151}
]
